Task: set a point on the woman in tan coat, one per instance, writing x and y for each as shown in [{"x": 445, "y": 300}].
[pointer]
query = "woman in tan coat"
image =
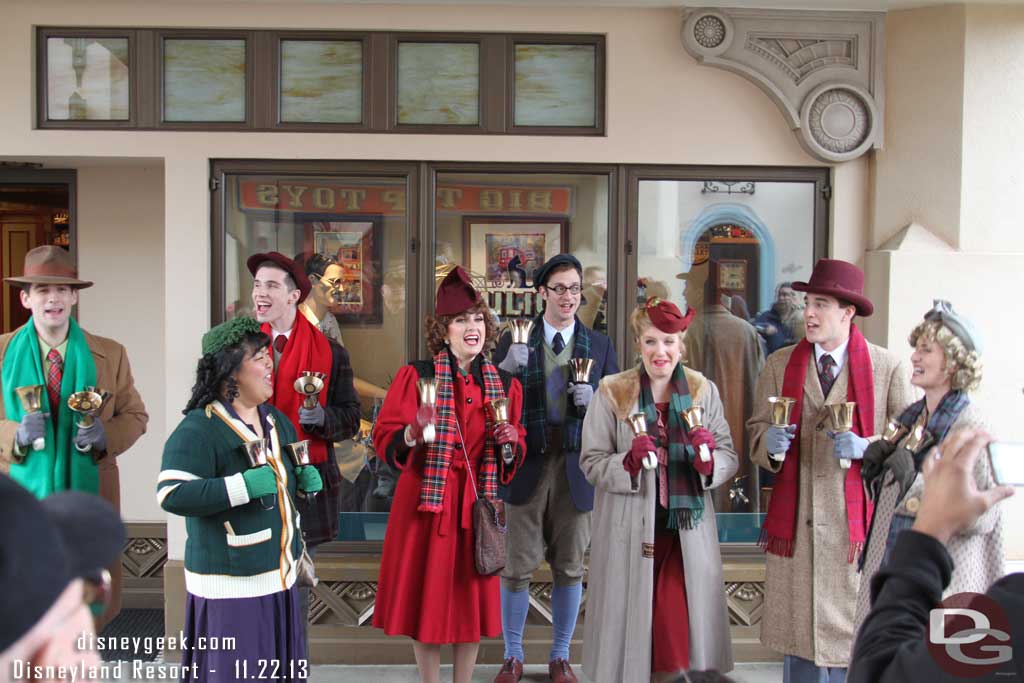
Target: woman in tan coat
[
  {"x": 655, "y": 600},
  {"x": 947, "y": 365}
]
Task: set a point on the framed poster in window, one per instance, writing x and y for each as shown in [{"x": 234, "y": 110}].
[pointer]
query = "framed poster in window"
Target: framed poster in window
[
  {"x": 355, "y": 243},
  {"x": 506, "y": 251},
  {"x": 732, "y": 275}
]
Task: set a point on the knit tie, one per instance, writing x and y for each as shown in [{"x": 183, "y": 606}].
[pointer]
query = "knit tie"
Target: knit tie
[
  {"x": 557, "y": 344},
  {"x": 825, "y": 375},
  {"x": 53, "y": 378}
]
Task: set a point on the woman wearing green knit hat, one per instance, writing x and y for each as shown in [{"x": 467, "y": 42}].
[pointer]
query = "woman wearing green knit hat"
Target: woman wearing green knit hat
[{"x": 242, "y": 553}]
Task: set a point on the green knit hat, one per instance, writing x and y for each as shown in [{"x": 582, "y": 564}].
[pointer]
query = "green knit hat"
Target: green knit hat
[{"x": 228, "y": 334}]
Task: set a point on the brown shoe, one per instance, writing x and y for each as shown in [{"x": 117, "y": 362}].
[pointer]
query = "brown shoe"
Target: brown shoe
[
  {"x": 560, "y": 672},
  {"x": 511, "y": 671}
]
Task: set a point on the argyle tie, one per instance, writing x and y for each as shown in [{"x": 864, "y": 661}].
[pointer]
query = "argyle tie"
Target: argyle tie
[
  {"x": 557, "y": 344},
  {"x": 279, "y": 343},
  {"x": 825, "y": 373},
  {"x": 53, "y": 378}
]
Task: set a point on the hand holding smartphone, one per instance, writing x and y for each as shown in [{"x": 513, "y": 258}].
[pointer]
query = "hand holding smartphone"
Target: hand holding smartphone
[{"x": 1007, "y": 462}]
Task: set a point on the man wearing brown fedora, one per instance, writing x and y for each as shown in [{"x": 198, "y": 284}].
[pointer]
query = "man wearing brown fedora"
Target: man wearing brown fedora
[
  {"x": 818, "y": 515},
  {"x": 50, "y": 450}
]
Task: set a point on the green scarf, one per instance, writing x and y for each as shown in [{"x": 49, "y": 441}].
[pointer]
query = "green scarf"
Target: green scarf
[
  {"x": 685, "y": 495},
  {"x": 59, "y": 466}
]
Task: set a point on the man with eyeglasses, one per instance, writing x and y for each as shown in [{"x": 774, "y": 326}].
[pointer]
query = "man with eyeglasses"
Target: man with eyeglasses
[
  {"x": 325, "y": 290},
  {"x": 56, "y": 549},
  {"x": 549, "y": 500}
]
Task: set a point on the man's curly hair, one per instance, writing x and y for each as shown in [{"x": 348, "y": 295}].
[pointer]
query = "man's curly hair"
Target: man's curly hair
[
  {"x": 435, "y": 327},
  {"x": 964, "y": 366}
]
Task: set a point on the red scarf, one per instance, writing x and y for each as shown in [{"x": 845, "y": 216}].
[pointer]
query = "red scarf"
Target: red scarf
[
  {"x": 779, "y": 530},
  {"x": 307, "y": 350}
]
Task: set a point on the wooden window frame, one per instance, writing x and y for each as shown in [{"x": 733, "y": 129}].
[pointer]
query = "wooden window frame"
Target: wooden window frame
[{"x": 380, "y": 81}]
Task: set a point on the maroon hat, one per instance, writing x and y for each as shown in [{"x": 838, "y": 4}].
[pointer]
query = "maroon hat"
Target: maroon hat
[
  {"x": 287, "y": 265},
  {"x": 838, "y": 279},
  {"x": 666, "y": 316},
  {"x": 455, "y": 294}
]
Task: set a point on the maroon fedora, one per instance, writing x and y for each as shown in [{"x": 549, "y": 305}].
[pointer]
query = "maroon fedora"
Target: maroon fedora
[
  {"x": 839, "y": 279},
  {"x": 456, "y": 293},
  {"x": 286, "y": 264},
  {"x": 49, "y": 265}
]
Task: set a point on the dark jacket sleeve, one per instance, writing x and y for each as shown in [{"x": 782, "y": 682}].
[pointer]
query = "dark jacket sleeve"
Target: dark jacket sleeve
[
  {"x": 341, "y": 419},
  {"x": 892, "y": 646}
]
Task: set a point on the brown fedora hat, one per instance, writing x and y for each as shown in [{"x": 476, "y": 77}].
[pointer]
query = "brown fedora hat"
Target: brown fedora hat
[
  {"x": 49, "y": 265},
  {"x": 839, "y": 279}
]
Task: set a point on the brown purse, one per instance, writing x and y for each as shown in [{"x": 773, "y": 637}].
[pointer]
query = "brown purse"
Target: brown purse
[{"x": 489, "y": 528}]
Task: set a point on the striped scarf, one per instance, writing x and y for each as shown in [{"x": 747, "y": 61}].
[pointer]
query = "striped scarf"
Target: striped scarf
[
  {"x": 535, "y": 411},
  {"x": 439, "y": 452},
  {"x": 685, "y": 496}
]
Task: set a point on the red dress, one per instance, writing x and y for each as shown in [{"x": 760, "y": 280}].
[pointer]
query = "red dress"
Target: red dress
[{"x": 428, "y": 587}]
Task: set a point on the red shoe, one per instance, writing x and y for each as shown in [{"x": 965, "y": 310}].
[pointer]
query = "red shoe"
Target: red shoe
[
  {"x": 560, "y": 672},
  {"x": 511, "y": 671}
]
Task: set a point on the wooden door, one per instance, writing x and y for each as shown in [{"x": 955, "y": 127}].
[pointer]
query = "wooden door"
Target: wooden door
[{"x": 17, "y": 237}]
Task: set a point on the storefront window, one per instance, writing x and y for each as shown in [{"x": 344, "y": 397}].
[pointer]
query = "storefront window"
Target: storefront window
[
  {"x": 502, "y": 227},
  {"x": 729, "y": 249}
]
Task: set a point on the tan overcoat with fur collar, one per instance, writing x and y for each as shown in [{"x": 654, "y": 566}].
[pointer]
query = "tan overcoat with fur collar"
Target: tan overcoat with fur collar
[{"x": 617, "y": 630}]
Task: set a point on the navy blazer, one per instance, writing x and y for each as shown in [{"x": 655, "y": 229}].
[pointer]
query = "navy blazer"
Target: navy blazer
[{"x": 522, "y": 486}]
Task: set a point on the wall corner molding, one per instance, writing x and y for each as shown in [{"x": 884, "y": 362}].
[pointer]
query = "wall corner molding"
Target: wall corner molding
[{"x": 824, "y": 70}]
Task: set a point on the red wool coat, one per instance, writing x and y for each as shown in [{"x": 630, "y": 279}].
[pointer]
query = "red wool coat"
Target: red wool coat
[{"x": 428, "y": 587}]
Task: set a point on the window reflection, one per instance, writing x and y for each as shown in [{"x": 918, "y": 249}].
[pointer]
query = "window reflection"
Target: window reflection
[{"x": 729, "y": 254}]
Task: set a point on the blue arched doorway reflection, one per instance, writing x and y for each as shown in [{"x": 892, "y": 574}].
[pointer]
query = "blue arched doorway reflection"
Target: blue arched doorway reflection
[{"x": 741, "y": 216}]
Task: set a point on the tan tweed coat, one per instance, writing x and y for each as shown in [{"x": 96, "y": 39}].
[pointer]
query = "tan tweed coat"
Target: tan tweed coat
[{"x": 811, "y": 596}]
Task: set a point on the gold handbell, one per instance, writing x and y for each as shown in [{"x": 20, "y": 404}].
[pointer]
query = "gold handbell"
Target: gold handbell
[
  {"x": 694, "y": 418},
  {"x": 256, "y": 452},
  {"x": 299, "y": 452},
  {"x": 520, "y": 329},
  {"x": 309, "y": 384},
  {"x": 842, "y": 421},
  {"x": 842, "y": 415},
  {"x": 86, "y": 403},
  {"x": 427, "y": 389},
  {"x": 31, "y": 398},
  {"x": 781, "y": 407},
  {"x": 498, "y": 410},
  {"x": 919, "y": 439},
  {"x": 580, "y": 368},
  {"x": 895, "y": 431},
  {"x": 638, "y": 423}
]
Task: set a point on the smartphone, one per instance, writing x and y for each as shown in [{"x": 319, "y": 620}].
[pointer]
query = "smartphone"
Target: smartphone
[{"x": 1007, "y": 461}]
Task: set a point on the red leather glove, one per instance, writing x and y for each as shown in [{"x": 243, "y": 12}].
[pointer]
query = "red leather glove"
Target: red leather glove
[
  {"x": 506, "y": 433},
  {"x": 425, "y": 415},
  {"x": 703, "y": 436},
  {"x": 634, "y": 460}
]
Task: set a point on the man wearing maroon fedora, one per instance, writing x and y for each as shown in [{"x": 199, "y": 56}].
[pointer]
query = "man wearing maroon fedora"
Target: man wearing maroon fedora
[
  {"x": 818, "y": 515},
  {"x": 279, "y": 286},
  {"x": 50, "y": 450}
]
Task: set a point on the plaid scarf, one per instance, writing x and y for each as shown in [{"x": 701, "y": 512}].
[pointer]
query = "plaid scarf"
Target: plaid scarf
[
  {"x": 685, "y": 497},
  {"x": 535, "y": 411},
  {"x": 779, "y": 531},
  {"x": 939, "y": 422},
  {"x": 439, "y": 452}
]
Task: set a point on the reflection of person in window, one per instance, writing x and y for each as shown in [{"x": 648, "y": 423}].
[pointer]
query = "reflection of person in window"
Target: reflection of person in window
[
  {"x": 594, "y": 306},
  {"x": 782, "y": 324},
  {"x": 515, "y": 271}
]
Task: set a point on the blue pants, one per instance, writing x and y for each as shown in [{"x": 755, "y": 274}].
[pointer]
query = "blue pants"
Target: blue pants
[{"x": 799, "y": 670}]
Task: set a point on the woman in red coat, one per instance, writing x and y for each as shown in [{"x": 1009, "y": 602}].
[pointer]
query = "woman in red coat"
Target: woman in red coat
[{"x": 449, "y": 454}]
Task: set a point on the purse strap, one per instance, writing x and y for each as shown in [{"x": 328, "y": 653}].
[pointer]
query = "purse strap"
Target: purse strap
[{"x": 469, "y": 468}]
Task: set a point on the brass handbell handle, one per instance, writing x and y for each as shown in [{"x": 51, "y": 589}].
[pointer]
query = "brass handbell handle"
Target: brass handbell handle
[{"x": 694, "y": 418}]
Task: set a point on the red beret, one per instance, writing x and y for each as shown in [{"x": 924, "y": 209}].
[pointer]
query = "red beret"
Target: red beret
[
  {"x": 456, "y": 293},
  {"x": 287, "y": 265},
  {"x": 666, "y": 316}
]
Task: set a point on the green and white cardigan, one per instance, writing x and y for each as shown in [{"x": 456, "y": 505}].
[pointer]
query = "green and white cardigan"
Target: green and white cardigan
[{"x": 235, "y": 548}]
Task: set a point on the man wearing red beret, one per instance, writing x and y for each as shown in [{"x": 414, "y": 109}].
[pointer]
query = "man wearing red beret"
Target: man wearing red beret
[
  {"x": 819, "y": 514},
  {"x": 279, "y": 286}
]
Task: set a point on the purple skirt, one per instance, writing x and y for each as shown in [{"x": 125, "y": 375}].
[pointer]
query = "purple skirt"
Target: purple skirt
[{"x": 244, "y": 638}]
